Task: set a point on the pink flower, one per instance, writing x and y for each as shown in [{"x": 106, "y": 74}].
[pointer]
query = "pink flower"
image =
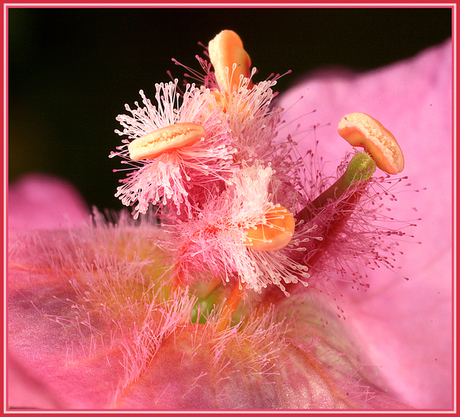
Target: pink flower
[{"x": 93, "y": 322}]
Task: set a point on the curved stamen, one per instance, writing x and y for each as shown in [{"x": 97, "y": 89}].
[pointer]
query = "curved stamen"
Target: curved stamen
[
  {"x": 360, "y": 168},
  {"x": 360, "y": 129}
]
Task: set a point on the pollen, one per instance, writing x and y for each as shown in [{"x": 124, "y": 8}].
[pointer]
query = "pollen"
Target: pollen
[
  {"x": 166, "y": 139},
  {"x": 229, "y": 60},
  {"x": 274, "y": 233},
  {"x": 360, "y": 129}
]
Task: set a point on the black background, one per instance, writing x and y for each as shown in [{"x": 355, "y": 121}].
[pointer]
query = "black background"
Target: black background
[{"x": 72, "y": 70}]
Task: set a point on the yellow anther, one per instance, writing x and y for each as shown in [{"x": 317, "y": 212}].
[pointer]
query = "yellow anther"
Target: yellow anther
[
  {"x": 360, "y": 129},
  {"x": 225, "y": 50},
  {"x": 165, "y": 139},
  {"x": 275, "y": 234}
]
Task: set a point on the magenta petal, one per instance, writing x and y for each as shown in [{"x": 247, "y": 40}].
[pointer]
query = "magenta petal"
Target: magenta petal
[
  {"x": 406, "y": 327},
  {"x": 39, "y": 201},
  {"x": 67, "y": 362},
  {"x": 90, "y": 323},
  {"x": 26, "y": 390},
  {"x": 53, "y": 349}
]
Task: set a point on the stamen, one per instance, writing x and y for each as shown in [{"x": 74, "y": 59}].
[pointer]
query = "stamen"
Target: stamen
[
  {"x": 360, "y": 129},
  {"x": 227, "y": 55},
  {"x": 168, "y": 138},
  {"x": 275, "y": 234},
  {"x": 360, "y": 168},
  {"x": 231, "y": 305}
]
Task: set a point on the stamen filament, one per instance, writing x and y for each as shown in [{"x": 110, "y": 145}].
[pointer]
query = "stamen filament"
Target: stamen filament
[
  {"x": 360, "y": 168},
  {"x": 231, "y": 305}
]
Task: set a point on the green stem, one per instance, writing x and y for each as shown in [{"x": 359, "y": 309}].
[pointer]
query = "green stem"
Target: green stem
[{"x": 360, "y": 168}]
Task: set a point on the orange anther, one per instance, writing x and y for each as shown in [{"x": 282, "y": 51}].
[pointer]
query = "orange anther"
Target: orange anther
[
  {"x": 360, "y": 129},
  {"x": 225, "y": 50},
  {"x": 165, "y": 139},
  {"x": 275, "y": 234}
]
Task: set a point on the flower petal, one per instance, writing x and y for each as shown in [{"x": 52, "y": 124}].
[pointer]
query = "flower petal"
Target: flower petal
[
  {"x": 39, "y": 201},
  {"x": 406, "y": 327}
]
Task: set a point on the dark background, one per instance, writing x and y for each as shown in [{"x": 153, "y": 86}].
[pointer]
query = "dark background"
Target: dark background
[{"x": 72, "y": 70}]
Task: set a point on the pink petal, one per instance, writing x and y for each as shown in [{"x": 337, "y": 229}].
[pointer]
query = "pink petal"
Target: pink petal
[
  {"x": 405, "y": 327},
  {"x": 51, "y": 347},
  {"x": 60, "y": 360},
  {"x": 39, "y": 201}
]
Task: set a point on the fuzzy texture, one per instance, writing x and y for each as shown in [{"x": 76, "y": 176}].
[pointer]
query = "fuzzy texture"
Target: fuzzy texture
[
  {"x": 109, "y": 332},
  {"x": 218, "y": 238},
  {"x": 260, "y": 170},
  {"x": 178, "y": 176},
  {"x": 355, "y": 234},
  {"x": 240, "y": 128},
  {"x": 93, "y": 322}
]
